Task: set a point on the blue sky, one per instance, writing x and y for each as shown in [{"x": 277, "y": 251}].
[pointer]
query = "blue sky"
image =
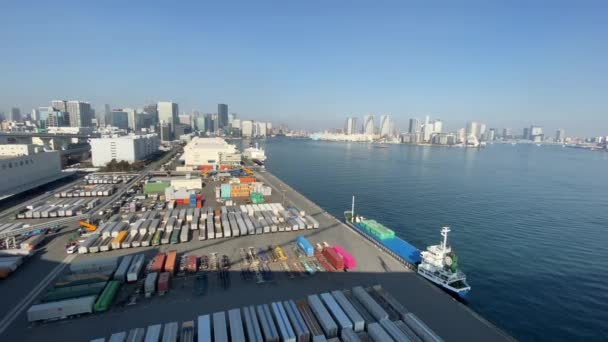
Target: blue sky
[{"x": 312, "y": 63}]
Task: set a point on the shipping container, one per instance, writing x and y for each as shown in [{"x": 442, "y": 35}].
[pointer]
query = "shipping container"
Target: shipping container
[
  {"x": 269, "y": 329},
  {"x": 397, "y": 307},
  {"x": 136, "y": 335},
  {"x": 393, "y": 330},
  {"x": 333, "y": 258},
  {"x": 158, "y": 264},
  {"x": 68, "y": 292},
  {"x": 220, "y": 333},
  {"x": 61, "y": 309},
  {"x": 156, "y": 239},
  {"x": 32, "y": 242},
  {"x": 349, "y": 310},
  {"x": 106, "y": 298},
  {"x": 204, "y": 328},
  {"x": 407, "y": 331},
  {"x": 421, "y": 329},
  {"x": 170, "y": 332},
  {"x": 118, "y": 337},
  {"x": 284, "y": 326},
  {"x": 297, "y": 321},
  {"x": 120, "y": 237},
  {"x": 325, "y": 320},
  {"x": 187, "y": 332},
  {"x": 153, "y": 333},
  {"x": 171, "y": 262},
  {"x": 184, "y": 234},
  {"x": 252, "y": 326},
  {"x": 150, "y": 283},
  {"x": 369, "y": 303},
  {"x": 313, "y": 325},
  {"x": 336, "y": 311},
  {"x": 163, "y": 283},
  {"x": 123, "y": 268},
  {"x": 135, "y": 269},
  {"x": 236, "y": 326},
  {"x": 97, "y": 265},
  {"x": 305, "y": 246},
  {"x": 377, "y": 333}
]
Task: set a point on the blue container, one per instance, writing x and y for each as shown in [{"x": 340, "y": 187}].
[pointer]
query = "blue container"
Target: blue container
[{"x": 305, "y": 246}]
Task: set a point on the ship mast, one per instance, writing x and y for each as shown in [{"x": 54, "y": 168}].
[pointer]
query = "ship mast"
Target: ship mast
[
  {"x": 352, "y": 211},
  {"x": 444, "y": 233}
]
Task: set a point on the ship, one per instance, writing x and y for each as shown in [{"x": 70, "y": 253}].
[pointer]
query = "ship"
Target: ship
[
  {"x": 255, "y": 154},
  {"x": 437, "y": 264}
]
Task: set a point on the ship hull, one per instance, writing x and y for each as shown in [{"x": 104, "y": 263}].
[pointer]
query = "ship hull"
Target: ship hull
[{"x": 461, "y": 295}]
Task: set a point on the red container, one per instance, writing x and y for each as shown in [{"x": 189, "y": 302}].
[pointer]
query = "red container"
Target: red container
[
  {"x": 163, "y": 282},
  {"x": 192, "y": 263},
  {"x": 225, "y": 167},
  {"x": 323, "y": 262},
  {"x": 349, "y": 261},
  {"x": 171, "y": 262},
  {"x": 159, "y": 263},
  {"x": 205, "y": 167},
  {"x": 247, "y": 179},
  {"x": 335, "y": 259},
  {"x": 199, "y": 204}
]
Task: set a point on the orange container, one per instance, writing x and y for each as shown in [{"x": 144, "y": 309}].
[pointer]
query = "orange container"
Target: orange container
[
  {"x": 171, "y": 262},
  {"x": 247, "y": 179},
  {"x": 205, "y": 167},
  {"x": 159, "y": 263},
  {"x": 225, "y": 167}
]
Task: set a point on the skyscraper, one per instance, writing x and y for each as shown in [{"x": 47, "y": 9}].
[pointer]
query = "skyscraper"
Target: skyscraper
[
  {"x": 60, "y": 105},
  {"x": 437, "y": 126},
  {"x": 506, "y": 133},
  {"x": 526, "y": 133},
  {"x": 386, "y": 129},
  {"x": 427, "y": 130},
  {"x": 560, "y": 135},
  {"x": 472, "y": 129},
  {"x": 482, "y": 131},
  {"x": 491, "y": 135},
  {"x": 222, "y": 113},
  {"x": 80, "y": 113},
  {"x": 414, "y": 126},
  {"x": 247, "y": 128},
  {"x": 350, "y": 127},
  {"x": 132, "y": 118},
  {"x": 167, "y": 113},
  {"x": 15, "y": 114},
  {"x": 368, "y": 125}
]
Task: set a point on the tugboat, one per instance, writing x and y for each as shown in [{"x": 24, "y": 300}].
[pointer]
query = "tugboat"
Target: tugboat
[{"x": 440, "y": 266}]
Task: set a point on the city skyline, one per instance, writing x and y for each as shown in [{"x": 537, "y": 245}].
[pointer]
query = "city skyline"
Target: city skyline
[{"x": 458, "y": 64}]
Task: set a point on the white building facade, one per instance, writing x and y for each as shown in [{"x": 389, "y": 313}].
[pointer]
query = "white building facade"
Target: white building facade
[
  {"x": 130, "y": 148},
  {"x": 209, "y": 151}
]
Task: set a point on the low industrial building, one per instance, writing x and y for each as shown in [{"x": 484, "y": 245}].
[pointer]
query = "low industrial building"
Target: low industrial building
[
  {"x": 27, "y": 166},
  {"x": 130, "y": 148},
  {"x": 210, "y": 151}
]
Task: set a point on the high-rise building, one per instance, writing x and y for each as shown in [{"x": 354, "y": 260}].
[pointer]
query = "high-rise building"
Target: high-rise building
[
  {"x": 427, "y": 130},
  {"x": 368, "y": 125},
  {"x": 107, "y": 112},
  {"x": 461, "y": 136},
  {"x": 184, "y": 119},
  {"x": 15, "y": 114},
  {"x": 216, "y": 122},
  {"x": 536, "y": 133},
  {"x": 34, "y": 116},
  {"x": 472, "y": 129},
  {"x": 131, "y": 118},
  {"x": 386, "y": 126},
  {"x": 167, "y": 113},
  {"x": 222, "y": 113},
  {"x": 437, "y": 126},
  {"x": 247, "y": 128},
  {"x": 60, "y": 105},
  {"x": 350, "y": 126},
  {"x": 231, "y": 118},
  {"x": 128, "y": 148},
  {"x": 526, "y": 133},
  {"x": 119, "y": 118},
  {"x": 491, "y": 135},
  {"x": 506, "y": 133},
  {"x": 152, "y": 109},
  {"x": 80, "y": 113},
  {"x": 209, "y": 123},
  {"x": 414, "y": 126},
  {"x": 560, "y": 135},
  {"x": 482, "y": 131}
]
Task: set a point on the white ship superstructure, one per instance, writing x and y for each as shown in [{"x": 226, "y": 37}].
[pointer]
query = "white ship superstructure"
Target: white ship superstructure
[
  {"x": 254, "y": 153},
  {"x": 440, "y": 265}
]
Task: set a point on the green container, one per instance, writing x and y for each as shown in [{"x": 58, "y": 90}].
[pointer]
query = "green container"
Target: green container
[
  {"x": 175, "y": 236},
  {"x": 256, "y": 198},
  {"x": 155, "y": 188},
  {"x": 70, "y": 292},
  {"x": 104, "y": 301},
  {"x": 156, "y": 239},
  {"x": 378, "y": 230}
]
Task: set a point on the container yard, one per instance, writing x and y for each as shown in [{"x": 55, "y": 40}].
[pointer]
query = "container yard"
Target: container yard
[
  {"x": 148, "y": 255},
  {"x": 291, "y": 322}
]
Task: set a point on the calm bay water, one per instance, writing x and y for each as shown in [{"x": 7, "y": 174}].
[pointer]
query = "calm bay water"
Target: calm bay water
[{"x": 529, "y": 223}]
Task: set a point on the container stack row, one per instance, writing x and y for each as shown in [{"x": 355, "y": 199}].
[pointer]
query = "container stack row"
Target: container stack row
[
  {"x": 59, "y": 208},
  {"x": 107, "y": 179},
  {"x": 327, "y": 316},
  {"x": 88, "y": 191}
]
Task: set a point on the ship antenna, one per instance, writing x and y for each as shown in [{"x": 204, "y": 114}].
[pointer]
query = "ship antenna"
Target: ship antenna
[
  {"x": 352, "y": 212},
  {"x": 444, "y": 233}
]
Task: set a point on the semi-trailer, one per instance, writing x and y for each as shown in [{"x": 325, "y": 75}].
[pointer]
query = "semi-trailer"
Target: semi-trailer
[
  {"x": 153, "y": 333},
  {"x": 220, "y": 333},
  {"x": 170, "y": 332},
  {"x": 204, "y": 328},
  {"x": 252, "y": 326},
  {"x": 123, "y": 267},
  {"x": 135, "y": 269},
  {"x": 325, "y": 320},
  {"x": 187, "y": 333},
  {"x": 236, "y": 326},
  {"x": 150, "y": 284},
  {"x": 61, "y": 309}
]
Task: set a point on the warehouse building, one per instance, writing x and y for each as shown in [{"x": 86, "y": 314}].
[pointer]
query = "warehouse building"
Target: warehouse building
[
  {"x": 210, "y": 151},
  {"x": 130, "y": 148},
  {"x": 26, "y": 166}
]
